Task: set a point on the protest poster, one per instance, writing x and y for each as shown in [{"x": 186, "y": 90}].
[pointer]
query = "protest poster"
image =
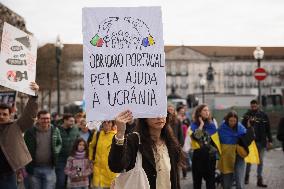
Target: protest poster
[
  {"x": 8, "y": 97},
  {"x": 124, "y": 62},
  {"x": 17, "y": 59}
]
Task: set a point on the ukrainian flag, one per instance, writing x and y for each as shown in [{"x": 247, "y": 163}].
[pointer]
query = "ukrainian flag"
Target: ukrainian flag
[
  {"x": 229, "y": 139},
  {"x": 247, "y": 141},
  {"x": 233, "y": 142},
  {"x": 252, "y": 157}
]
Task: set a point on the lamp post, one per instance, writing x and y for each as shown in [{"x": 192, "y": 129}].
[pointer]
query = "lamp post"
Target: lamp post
[
  {"x": 58, "y": 50},
  {"x": 202, "y": 85},
  {"x": 258, "y": 54}
]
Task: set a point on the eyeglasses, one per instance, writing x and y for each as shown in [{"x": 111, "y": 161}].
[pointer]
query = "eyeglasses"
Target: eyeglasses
[
  {"x": 45, "y": 118},
  {"x": 4, "y": 114}
]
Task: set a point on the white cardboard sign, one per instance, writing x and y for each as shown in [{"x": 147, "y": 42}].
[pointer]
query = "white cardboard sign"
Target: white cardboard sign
[
  {"x": 17, "y": 59},
  {"x": 124, "y": 62}
]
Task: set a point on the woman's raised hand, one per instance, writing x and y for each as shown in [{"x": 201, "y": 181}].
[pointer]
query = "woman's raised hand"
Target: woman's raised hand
[
  {"x": 34, "y": 86},
  {"x": 201, "y": 123},
  {"x": 121, "y": 119}
]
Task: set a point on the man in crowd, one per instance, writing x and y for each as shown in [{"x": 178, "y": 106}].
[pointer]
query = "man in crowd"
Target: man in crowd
[
  {"x": 55, "y": 119},
  {"x": 69, "y": 133},
  {"x": 13, "y": 150},
  {"x": 78, "y": 117},
  {"x": 44, "y": 144},
  {"x": 181, "y": 115},
  {"x": 260, "y": 123}
]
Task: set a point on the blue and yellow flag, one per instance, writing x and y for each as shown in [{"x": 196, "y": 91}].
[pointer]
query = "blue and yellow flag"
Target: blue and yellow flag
[
  {"x": 236, "y": 141},
  {"x": 253, "y": 156},
  {"x": 229, "y": 138}
]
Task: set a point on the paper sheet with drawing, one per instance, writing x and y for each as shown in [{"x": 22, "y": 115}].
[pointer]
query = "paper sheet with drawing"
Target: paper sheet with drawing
[{"x": 124, "y": 62}]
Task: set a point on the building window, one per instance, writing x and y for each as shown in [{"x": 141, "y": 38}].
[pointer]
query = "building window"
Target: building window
[{"x": 184, "y": 69}]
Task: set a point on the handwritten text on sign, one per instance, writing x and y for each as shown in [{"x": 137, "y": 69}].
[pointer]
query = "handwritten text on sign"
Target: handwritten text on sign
[{"x": 124, "y": 63}]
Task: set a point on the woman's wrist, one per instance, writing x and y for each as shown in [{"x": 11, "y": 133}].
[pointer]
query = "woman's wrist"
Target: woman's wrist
[
  {"x": 119, "y": 140},
  {"x": 120, "y": 135}
]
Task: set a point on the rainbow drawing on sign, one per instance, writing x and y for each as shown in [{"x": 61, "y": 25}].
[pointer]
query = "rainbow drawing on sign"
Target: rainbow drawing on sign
[{"x": 119, "y": 33}]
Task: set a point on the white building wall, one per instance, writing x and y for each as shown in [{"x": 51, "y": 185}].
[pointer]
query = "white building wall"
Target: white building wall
[{"x": 231, "y": 76}]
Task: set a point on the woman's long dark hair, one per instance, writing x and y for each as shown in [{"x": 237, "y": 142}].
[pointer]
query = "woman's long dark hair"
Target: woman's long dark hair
[
  {"x": 197, "y": 114},
  {"x": 75, "y": 147},
  {"x": 229, "y": 115},
  {"x": 167, "y": 135}
]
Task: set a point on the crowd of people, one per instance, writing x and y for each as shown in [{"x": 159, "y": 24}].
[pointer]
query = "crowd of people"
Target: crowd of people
[
  {"x": 229, "y": 148},
  {"x": 41, "y": 150}
]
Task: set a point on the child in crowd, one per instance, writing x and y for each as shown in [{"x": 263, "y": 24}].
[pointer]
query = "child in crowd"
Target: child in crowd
[{"x": 78, "y": 167}]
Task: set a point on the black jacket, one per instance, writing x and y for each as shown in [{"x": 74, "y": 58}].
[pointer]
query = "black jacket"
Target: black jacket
[
  {"x": 280, "y": 133},
  {"x": 246, "y": 139},
  {"x": 178, "y": 131},
  {"x": 260, "y": 124},
  {"x": 124, "y": 157}
]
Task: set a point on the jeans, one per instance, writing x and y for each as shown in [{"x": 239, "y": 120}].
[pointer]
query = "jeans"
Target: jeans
[
  {"x": 239, "y": 175},
  {"x": 8, "y": 181},
  {"x": 190, "y": 154},
  {"x": 27, "y": 182},
  {"x": 43, "y": 178},
  {"x": 61, "y": 178},
  {"x": 261, "y": 151}
]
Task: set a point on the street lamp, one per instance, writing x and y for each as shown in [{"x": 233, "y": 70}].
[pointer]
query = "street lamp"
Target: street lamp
[
  {"x": 258, "y": 54},
  {"x": 58, "y": 50},
  {"x": 202, "y": 85}
]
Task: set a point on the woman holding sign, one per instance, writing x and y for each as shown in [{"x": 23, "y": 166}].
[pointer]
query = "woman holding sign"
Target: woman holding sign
[{"x": 154, "y": 139}]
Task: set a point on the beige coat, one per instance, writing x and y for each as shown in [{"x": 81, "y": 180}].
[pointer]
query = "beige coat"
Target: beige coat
[{"x": 11, "y": 138}]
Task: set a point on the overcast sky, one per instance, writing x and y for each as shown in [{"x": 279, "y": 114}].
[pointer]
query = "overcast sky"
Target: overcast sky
[{"x": 186, "y": 22}]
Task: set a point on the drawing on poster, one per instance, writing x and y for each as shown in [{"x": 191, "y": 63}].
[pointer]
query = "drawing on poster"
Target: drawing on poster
[
  {"x": 25, "y": 41},
  {"x": 16, "y": 76},
  {"x": 124, "y": 63},
  {"x": 123, "y": 39},
  {"x": 13, "y": 61}
]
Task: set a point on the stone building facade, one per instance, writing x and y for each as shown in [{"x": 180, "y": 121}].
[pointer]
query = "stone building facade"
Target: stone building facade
[{"x": 224, "y": 72}]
